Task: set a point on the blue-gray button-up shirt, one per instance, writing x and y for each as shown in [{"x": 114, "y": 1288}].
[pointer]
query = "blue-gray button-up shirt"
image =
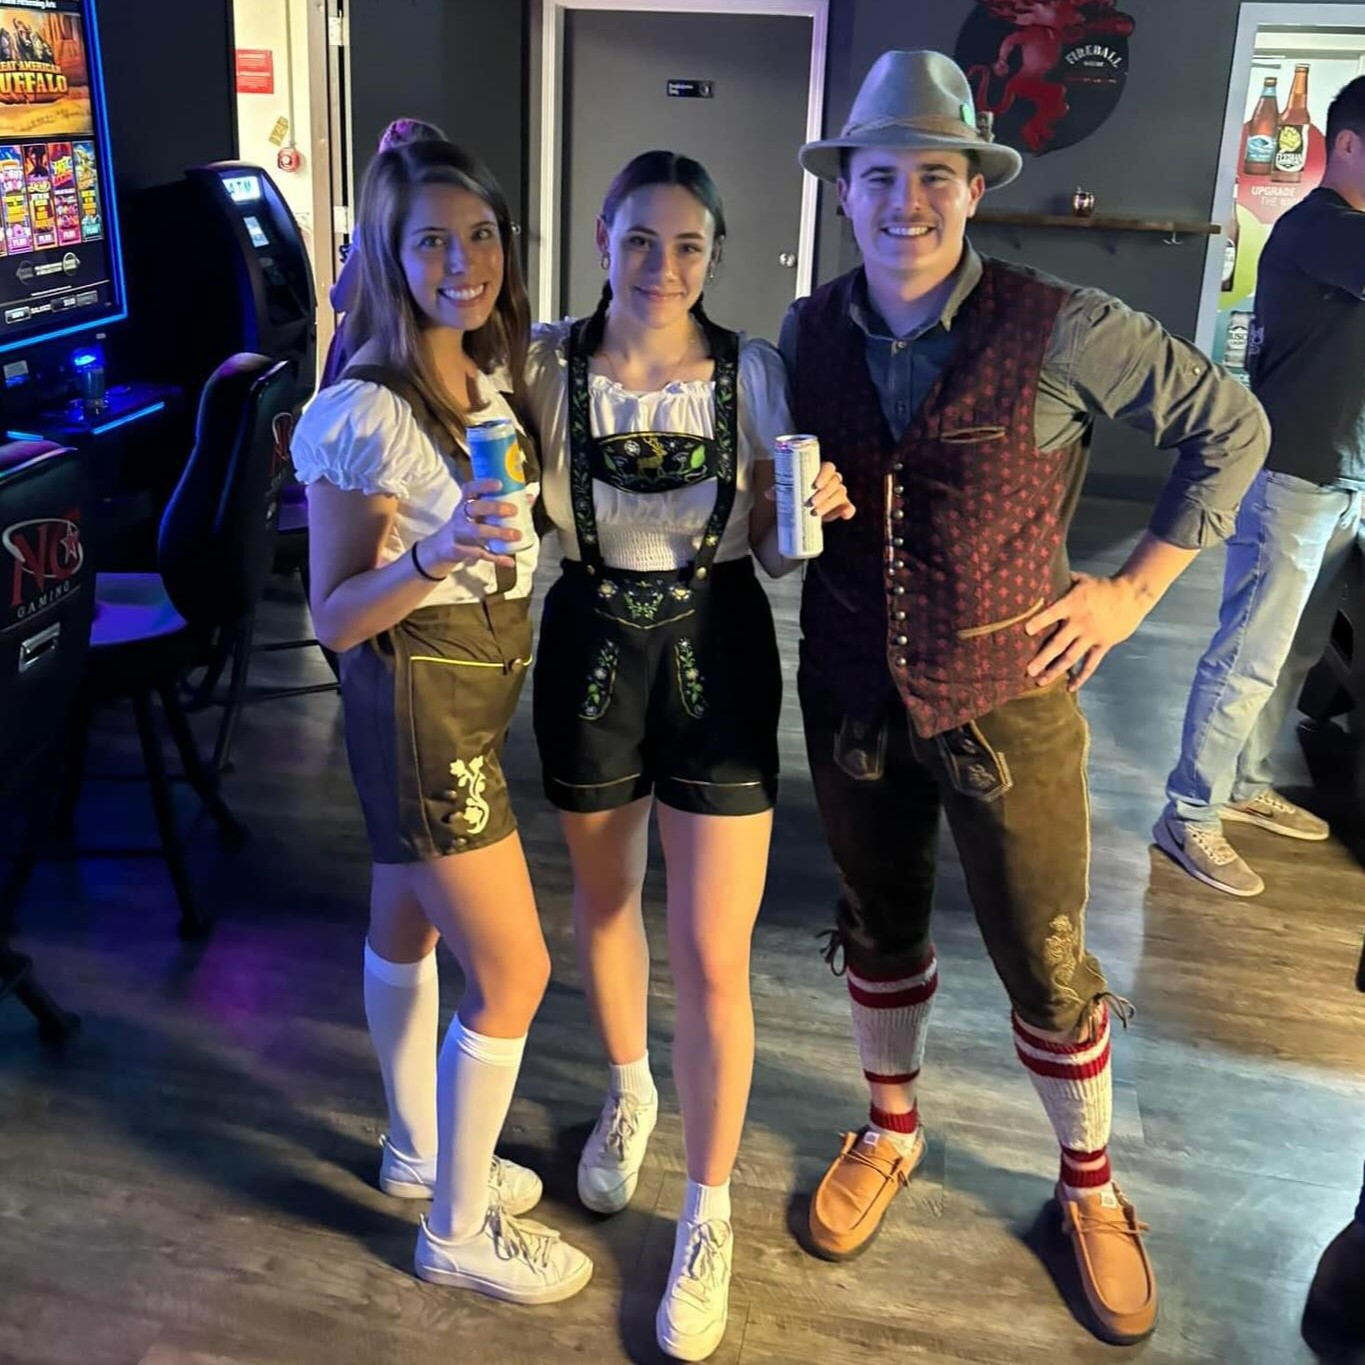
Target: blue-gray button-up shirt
[{"x": 1103, "y": 357}]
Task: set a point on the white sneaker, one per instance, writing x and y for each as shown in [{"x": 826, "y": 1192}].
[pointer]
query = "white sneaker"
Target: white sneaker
[
  {"x": 405, "y": 1177},
  {"x": 511, "y": 1259},
  {"x": 609, "y": 1169},
  {"x": 696, "y": 1305}
]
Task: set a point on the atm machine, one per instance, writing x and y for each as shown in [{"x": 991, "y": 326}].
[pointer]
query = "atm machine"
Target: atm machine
[{"x": 221, "y": 267}]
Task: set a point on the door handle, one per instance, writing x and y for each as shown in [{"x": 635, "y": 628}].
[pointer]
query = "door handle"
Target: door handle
[{"x": 787, "y": 258}]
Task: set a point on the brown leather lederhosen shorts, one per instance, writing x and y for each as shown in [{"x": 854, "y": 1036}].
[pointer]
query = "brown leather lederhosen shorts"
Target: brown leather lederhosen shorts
[{"x": 427, "y": 705}]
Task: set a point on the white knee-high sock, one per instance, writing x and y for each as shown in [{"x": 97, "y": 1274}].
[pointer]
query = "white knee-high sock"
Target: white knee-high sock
[
  {"x": 1073, "y": 1081},
  {"x": 402, "y": 1008},
  {"x": 475, "y": 1077}
]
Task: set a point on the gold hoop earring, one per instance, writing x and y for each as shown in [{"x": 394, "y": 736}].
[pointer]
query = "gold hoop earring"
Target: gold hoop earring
[{"x": 606, "y": 261}]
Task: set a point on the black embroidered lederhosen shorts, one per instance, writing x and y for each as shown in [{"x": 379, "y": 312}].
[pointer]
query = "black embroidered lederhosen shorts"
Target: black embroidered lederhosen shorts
[
  {"x": 641, "y": 690},
  {"x": 664, "y": 683},
  {"x": 426, "y": 707}
]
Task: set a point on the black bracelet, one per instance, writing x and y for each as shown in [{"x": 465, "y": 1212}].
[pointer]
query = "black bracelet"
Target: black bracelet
[{"x": 417, "y": 564}]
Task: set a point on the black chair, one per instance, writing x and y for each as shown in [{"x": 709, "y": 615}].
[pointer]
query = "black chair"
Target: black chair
[
  {"x": 214, "y": 554},
  {"x": 46, "y": 582}
]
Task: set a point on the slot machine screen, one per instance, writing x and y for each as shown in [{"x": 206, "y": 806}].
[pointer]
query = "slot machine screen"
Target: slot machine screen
[{"x": 61, "y": 268}]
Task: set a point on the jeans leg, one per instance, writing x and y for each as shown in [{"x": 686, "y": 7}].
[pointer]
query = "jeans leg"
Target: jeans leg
[
  {"x": 1254, "y": 772},
  {"x": 1273, "y": 560}
]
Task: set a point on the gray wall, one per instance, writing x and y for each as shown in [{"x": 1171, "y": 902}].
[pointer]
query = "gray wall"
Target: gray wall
[
  {"x": 168, "y": 72},
  {"x": 457, "y": 63},
  {"x": 1156, "y": 156}
]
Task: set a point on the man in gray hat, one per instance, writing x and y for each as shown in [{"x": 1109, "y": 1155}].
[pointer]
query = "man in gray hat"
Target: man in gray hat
[{"x": 945, "y": 636}]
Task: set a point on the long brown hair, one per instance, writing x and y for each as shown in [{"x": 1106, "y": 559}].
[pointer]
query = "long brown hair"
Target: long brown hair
[{"x": 388, "y": 318}]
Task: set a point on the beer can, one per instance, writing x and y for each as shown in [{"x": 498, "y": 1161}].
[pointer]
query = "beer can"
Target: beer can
[
  {"x": 495, "y": 453},
  {"x": 796, "y": 462}
]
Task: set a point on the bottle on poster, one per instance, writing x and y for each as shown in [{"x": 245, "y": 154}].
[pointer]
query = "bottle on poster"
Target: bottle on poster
[
  {"x": 1291, "y": 137},
  {"x": 1238, "y": 338},
  {"x": 1230, "y": 247},
  {"x": 1263, "y": 131}
]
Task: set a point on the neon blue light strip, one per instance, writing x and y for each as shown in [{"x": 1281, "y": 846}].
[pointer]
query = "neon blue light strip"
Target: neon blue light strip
[
  {"x": 112, "y": 233},
  {"x": 127, "y": 417},
  {"x": 23, "y": 436}
]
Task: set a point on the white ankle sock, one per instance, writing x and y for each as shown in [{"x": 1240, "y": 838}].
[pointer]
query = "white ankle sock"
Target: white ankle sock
[
  {"x": 475, "y": 1077},
  {"x": 634, "y": 1079},
  {"x": 904, "y": 1143},
  {"x": 402, "y": 1008},
  {"x": 702, "y": 1203}
]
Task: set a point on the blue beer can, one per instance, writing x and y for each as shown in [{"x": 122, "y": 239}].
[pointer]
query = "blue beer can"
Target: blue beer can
[{"x": 495, "y": 453}]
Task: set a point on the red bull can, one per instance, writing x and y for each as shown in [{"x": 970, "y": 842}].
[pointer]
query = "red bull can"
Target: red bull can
[
  {"x": 796, "y": 462},
  {"x": 495, "y": 453}
]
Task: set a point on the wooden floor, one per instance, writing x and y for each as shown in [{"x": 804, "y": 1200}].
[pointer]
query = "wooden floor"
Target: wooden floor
[{"x": 192, "y": 1182}]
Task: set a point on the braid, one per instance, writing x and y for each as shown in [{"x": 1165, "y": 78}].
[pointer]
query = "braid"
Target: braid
[{"x": 595, "y": 327}]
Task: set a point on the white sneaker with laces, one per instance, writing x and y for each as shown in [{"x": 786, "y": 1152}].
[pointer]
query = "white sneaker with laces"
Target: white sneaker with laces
[
  {"x": 509, "y": 1258},
  {"x": 609, "y": 1169},
  {"x": 692, "y": 1317},
  {"x": 405, "y": 1177}
]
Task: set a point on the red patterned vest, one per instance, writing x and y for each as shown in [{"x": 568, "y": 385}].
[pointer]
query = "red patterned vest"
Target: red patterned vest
[{"x": 960, "y": 534}]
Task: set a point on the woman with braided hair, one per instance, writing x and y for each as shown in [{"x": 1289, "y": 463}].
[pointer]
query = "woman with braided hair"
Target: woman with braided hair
[{"x": 658, "y": 685}]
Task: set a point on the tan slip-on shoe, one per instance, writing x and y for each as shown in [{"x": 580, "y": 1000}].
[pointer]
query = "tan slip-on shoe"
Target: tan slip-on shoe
[
  {"x": 1116, "y": 1275},
  {"x": 848, "y": 1205}
]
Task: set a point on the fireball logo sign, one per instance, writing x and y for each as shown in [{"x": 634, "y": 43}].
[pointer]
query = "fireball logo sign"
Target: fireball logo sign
[{"x": 1051, "y": 71}]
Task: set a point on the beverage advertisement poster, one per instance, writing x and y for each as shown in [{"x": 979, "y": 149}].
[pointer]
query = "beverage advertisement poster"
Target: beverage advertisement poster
[{"x": 1280, "y": 160}]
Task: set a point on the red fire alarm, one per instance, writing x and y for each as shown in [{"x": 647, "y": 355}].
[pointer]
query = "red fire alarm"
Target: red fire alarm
[{"x": 289, "y": 159}]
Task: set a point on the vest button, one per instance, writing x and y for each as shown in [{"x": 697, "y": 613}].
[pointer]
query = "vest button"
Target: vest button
[
  {"x": 902, "y": 640},
  {"x": 898, "y": 515},
  {"x": 900, "y": 564},
  {"x": 701, "y": 573},
  {"x": 897, "y": 468},
  {"x": 900, "y": 663},
  {"x": 898, "y": 590},
  {"x": 900, "y": 616},
  {"x": 898, "y": 542},
  {"x": 899, "y": 489}
]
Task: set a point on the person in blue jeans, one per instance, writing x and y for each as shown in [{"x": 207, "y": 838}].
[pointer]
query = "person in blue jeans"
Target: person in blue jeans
[{"x": 1297, "y": 528}]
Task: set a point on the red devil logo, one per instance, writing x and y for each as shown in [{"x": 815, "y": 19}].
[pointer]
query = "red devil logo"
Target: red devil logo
[{"x": 1029, "y": 58}]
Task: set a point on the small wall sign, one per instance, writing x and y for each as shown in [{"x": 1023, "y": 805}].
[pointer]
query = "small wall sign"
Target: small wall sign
[{"x": 692, "y": 90}]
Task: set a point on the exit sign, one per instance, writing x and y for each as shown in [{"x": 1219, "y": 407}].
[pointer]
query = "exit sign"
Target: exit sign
[{"x": 692, "y": 90}]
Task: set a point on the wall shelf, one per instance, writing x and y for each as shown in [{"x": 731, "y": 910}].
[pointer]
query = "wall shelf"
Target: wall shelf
[{"x": 1171, "y": 228}]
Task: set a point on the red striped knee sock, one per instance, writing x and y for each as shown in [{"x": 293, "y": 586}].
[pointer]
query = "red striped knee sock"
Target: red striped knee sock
[
  {"x": 891, "y": 1024},
  {"x": 1074, "y": 1083},
  {"x": 891, "y": 1021}
]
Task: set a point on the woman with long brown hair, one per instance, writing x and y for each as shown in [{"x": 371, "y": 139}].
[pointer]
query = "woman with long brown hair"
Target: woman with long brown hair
[{"x": 435, "y": 637}]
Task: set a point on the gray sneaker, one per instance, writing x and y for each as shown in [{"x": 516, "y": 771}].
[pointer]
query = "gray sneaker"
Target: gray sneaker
[
  {"x": 1271, "y": 811},
  {"x": 1207, "y": 856}
]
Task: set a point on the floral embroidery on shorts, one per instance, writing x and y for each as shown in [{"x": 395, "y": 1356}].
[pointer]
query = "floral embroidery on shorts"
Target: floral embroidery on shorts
[
  {"x": 601, "y": 677},
  {"x": 471, "y": 780},
  {"x": 1062, "y": 953},
  {"x": 691, "y": 684}
]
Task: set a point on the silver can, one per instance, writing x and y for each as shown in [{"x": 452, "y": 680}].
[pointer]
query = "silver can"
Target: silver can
[
  {"x": 495, "y": 453},
  {"x": 796, "y": 462}
]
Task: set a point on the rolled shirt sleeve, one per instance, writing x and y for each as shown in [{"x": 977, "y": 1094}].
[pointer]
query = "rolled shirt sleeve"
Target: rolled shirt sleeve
[{"x": 1107, "y": 358}]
